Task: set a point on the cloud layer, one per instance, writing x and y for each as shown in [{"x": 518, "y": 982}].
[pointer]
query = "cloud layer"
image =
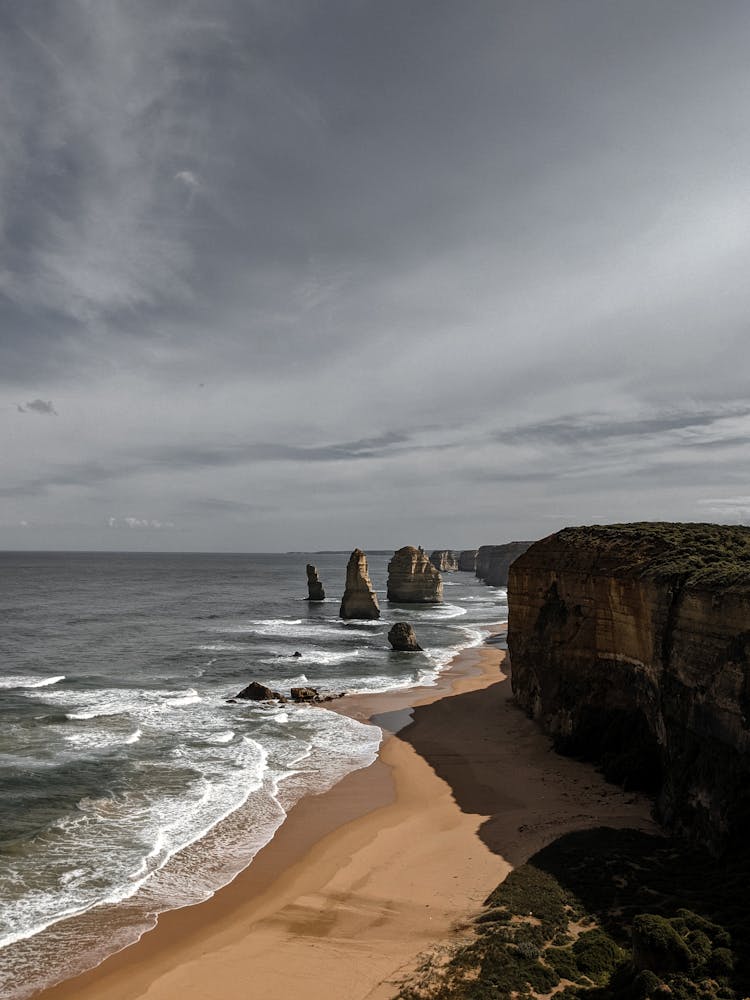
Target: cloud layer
[{"x": 303, "y": 275}]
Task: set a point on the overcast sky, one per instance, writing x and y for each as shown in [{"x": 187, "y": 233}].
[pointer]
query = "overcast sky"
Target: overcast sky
[{"x": 297, "y": 275}]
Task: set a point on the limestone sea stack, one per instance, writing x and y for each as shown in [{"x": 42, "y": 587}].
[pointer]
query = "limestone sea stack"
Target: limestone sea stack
[
  {"x": 467, "y": 561},
  {"x": 444, "y": 560},
  {"x": 359, "y": 600},
  {"x": 315, "y": 590},
  {"x": 403, "y": 638},
  {"x": 412, "y": 579}
]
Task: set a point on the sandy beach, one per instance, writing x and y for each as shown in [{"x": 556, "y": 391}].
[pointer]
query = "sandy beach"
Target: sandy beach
[{"x": 391, "y": 862}]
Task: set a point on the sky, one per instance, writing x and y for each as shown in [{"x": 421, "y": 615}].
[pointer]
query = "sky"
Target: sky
[{"x": 304, "y": 275}]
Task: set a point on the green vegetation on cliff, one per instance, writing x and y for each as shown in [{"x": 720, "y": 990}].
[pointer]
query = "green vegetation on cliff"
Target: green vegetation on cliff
[
  {"x": 693, "y": 554},
  {"x": 605, "y": 915}
]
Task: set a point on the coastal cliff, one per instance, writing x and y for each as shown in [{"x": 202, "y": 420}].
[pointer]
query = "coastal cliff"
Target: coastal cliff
[
  {"x": 631, "y": 645},
  {"x": 493, "y": 561}
]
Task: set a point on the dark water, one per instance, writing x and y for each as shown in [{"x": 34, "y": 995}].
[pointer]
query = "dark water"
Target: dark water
[{"x": 127, "y": 783}]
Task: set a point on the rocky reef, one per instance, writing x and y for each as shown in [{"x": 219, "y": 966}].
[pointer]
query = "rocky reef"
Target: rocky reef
[
  {"x": 403, "y": 638},
  {"x": 493, "y": 561},
  {"x": 467, "y": 561},
  {"x": 631, "y": 645},
  {"x": 359, "y": 600},
  {"x": 444, "y": 560},
  {"x": 315, "y": 589},
  {"x": 412, "y": 579}
]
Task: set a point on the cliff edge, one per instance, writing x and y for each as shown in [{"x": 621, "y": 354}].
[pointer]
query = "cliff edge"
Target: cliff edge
[{"x": 631, "y": 645}]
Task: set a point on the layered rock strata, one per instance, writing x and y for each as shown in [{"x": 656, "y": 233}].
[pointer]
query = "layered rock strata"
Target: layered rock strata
[
  {"x": 359, "y": 600},
  {"x": 403, "y": 638},
  {"x": 444, "y": 560},
  {"x": 315, "y": 591},
  {"x": 412, "y": 579},
  {"x": 467, "y": 561},
  {"x": 631, "y": 645},
  {"x": 493, "y": 561}
]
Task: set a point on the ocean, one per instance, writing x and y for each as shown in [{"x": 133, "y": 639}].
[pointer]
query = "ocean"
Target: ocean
[{"x": 128, "y": 784}]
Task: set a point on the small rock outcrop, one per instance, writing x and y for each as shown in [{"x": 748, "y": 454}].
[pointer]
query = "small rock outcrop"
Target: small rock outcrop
[
  {"x": 259, "y": 692},
  {"x": 412, "y": 579},
  {"x": 359, "y": 600},
  {"x": 305, "y": 694},
  {"x": 467, "y": 561},
  {"x": 403, "y": 638},
  {"x": 493, "y": 561},
  {"x": 444, "y": 560},
  {"x": 315, "y": 590}
]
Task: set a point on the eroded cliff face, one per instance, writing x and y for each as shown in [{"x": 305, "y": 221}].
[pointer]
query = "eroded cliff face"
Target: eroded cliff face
[
  {"x": 493, "y": 561},
  {"x": 631, "y": 645}
]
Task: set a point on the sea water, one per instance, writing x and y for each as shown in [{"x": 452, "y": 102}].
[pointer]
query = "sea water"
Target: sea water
[{"x": 128, "y": 783}]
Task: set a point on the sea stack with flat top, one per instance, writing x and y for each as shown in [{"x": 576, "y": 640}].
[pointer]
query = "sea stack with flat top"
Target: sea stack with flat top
[
  {"x": 315, "y": 591},
  {"x": 412, "y": 579},
  {"x": 359, "y": 600}
]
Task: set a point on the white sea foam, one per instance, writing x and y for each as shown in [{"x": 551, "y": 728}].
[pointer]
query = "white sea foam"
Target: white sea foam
[{"x": 30, "y": 682}]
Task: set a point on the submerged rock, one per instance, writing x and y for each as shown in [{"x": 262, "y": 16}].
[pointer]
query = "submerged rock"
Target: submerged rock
[
  {"x": 259, "y": 692},
  {"x": 444, "y": 560},
  {"x": 412, "y": 579},
  {"x": 315, "y": 591},
  {"x": 403, "y": 638},
  {"x": 359, "y": 600}
]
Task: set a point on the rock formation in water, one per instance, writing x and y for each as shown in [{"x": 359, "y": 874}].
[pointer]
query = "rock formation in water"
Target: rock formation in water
[
  {"x": 467, "y": 561},
  {"x": 493, "y": 561},
  {"x": 631, "y": 645},
  {"x": 359, "y": 600},
  {"x": 315, "y": 590},
  {"x": 444, "y": 560},
  {"x": 412, "y": 579},
  {"x": 259, "y": 692},
  {"x": 402, "y": 637}
]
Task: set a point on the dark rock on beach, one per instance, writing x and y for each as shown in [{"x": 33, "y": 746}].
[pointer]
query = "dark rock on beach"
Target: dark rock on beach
[
  {"x": 403, "y": 638},
  {"x": 259, "y": 692}
]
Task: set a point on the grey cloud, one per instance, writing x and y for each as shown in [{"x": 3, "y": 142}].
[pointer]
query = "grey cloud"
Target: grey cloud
[
  {"x": 38, "y": 406},
  {"x": 347, "y": 216},
  {"x": 598, "y": 428}
]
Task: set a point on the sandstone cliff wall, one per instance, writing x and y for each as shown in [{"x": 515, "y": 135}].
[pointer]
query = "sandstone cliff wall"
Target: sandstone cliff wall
[
  {"x": 631, "y": 646},
  {"x": 493, "y": 561},
  {"x": 467, "y": 561}
]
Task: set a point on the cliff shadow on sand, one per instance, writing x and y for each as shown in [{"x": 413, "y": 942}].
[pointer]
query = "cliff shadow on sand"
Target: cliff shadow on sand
[{"x": 593, "y": 875}]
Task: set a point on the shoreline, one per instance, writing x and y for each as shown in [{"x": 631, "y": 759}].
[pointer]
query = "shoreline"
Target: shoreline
[{"x": 361, "y": 879}]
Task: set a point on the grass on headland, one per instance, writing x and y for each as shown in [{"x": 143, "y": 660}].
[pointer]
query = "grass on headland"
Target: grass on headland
[
  {"x": 695, "y": 554},
  {"x": 607, "y": 915}
]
